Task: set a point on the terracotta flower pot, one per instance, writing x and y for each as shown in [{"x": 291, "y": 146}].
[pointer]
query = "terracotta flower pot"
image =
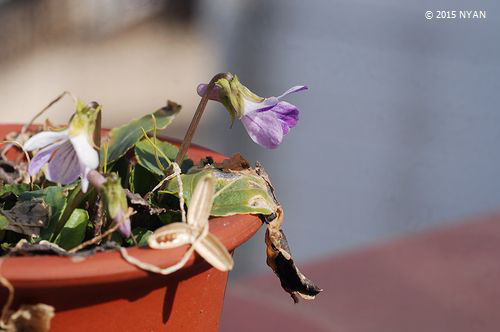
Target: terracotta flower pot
[{"x": 104, "y": 293}]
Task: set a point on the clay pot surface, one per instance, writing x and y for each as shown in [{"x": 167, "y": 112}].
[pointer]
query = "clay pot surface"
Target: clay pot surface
[{"x": 103, "y": 292}]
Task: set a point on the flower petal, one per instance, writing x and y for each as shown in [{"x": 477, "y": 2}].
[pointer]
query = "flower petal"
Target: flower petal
[
  {"x": 214, "y": 94},
  {"x": 250, "y": 106},
  {"x": 86, "y": 153},
  {"x": 124, "y": 226},
  {"x": 288, "y": 114},
  {"x": 84, "y": 171},
  {"x": 63, "y": 166},
  {"x": 294, "y": 89},
  {"x": 264, "y": 128},
  {"x": 41, "y": 158},
  {"x": 44, "y": 138}
]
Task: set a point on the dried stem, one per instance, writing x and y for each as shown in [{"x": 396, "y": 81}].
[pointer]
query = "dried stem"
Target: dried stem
[
  {"x": 196, "y": 118},
  {"x": 99, "y": 217},
  {"x": 8, "y": 303},
  {"x": 26, "y": 126}
]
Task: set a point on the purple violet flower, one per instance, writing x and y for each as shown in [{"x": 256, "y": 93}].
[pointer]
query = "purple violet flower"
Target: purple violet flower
[{"x": 266, "y": 120}]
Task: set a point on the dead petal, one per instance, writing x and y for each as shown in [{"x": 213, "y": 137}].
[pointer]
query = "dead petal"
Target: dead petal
[
  {"x": 201, "y": 202},
  {"x": 171, "y": 236},
  {"x": 214, "y": 252}
]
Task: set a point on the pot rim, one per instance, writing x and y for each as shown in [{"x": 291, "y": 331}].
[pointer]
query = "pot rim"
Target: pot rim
[{"x": 109, "y": 266}]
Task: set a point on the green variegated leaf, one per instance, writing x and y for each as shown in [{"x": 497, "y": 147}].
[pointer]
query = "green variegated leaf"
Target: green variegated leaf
[
  {"x": 236, "y": 192},
  {"x": 151, "y": 158},
  {"x": 125, "y": 137}
]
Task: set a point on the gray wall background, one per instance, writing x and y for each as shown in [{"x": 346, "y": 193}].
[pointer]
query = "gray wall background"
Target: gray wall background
[{"x": 399, "y": 131}]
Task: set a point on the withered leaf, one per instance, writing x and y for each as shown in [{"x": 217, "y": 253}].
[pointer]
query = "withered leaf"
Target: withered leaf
[
  {"x": 24, "y": 248},
  {"x": 279, "y": 258},
  {"x": 27, "y": 217},
  {"x": 236, "y": 163},
  {"x": 139, "y": 203},
  {"x": 8, "y": 172},
  {"x": 35, "y": 318}
]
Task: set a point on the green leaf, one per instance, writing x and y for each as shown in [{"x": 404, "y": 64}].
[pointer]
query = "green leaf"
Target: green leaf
[
  {"x": 146, "y": 155},
  {"x": 123, "y": 167},
  {"x": 141, "y": 235},
  {"x": 141, "y": 181},
  {"x": 4, "y": 222},
  {"x": 125, "y": 137},
  {"x": 16, "y": 189},
  {"x": 236, "y": 192},
  {"x": 55, "y": 197},
  {"x": 61, "y": 202},
  {"x": 73, "y": 231}
]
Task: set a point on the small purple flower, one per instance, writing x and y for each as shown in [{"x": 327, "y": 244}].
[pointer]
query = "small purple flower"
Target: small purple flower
[{"x": 266, "y": 120}]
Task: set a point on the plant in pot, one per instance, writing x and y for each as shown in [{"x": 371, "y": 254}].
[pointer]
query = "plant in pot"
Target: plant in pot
[{"x": 123, "y": 229}]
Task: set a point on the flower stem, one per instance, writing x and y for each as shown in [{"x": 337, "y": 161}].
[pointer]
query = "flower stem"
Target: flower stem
[{"x": 196, "y": 118}]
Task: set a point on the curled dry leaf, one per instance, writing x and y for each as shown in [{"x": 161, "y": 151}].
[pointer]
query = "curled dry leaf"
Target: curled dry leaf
[
  {"x": 279, "y": 257},
  {"x": 30, "y": 318},
  {"x": 139, "y": 203},
  {"x": 236, "y": 163}
]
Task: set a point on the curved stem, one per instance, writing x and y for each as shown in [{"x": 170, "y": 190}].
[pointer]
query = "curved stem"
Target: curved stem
[{"x": 196, "y": 118}]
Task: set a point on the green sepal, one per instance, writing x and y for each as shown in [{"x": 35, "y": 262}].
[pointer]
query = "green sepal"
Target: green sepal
[
  {"x": 85, "y": 120},
  {"x": 114, "y": 196},
  {"x": 232, "y": 95}
]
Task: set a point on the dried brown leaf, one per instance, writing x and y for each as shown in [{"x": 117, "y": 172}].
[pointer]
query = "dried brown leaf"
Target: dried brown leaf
[
  {"x": 139, "y": 203},
  {"x": 27, "y": 217},
  {"x": 31, "y": 318},
  {"x": 279, "y": 258},
  {"x": 236, "y": 163}
]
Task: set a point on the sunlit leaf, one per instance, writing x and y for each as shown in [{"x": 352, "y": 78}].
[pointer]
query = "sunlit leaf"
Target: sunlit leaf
[
  {"x": 73, "y": 232},
  {"x": 125, "y": 137},
  {"x": 236, "y": 192},
  {"x": 151, "y": 158}
]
